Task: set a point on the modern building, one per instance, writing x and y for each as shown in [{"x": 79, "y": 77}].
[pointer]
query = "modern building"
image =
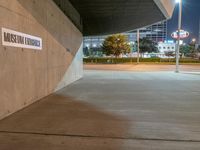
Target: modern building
[
  {"x": 156, "y": 32},
  {"x": 165, "y": 47},
  {"x": 41, "y": 41}
]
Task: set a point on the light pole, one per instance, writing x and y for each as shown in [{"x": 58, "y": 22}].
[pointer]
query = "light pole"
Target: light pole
[
  {"x": 138, "y": 46},
  {"x": 178, "y": 41}
]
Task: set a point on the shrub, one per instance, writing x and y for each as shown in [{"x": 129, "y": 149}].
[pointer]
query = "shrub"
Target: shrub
[{"x": 134, "y": 60}]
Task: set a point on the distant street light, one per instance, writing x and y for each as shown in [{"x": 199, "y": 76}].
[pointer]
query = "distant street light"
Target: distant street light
[
  {"x": 193, "y": 40},
  {"x": 179, "y": 30}
]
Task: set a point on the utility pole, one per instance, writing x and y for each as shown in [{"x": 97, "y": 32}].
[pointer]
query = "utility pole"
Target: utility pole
[
  {"x": 178, "y": 41},
  {"x": 199, "y": 32},
  {"x": 138, "y": 46}
]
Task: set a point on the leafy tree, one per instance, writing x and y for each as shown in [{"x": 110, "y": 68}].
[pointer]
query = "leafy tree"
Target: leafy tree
[
  {"x": 115, "y": 45},
  {"x": 188, "y": 50},
  {"x": 185, "y": 50},
  {"x": 147, "y": 46}
]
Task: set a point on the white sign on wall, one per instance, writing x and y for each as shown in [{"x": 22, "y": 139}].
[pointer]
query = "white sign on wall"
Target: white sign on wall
[{"x": 18, "y": 39}]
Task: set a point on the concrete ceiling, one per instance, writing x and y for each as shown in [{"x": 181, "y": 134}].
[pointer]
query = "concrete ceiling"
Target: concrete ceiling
[{"x": 99, "y": 17}]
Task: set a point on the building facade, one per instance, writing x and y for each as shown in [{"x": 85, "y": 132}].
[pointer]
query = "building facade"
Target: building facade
[
  {"x": 156, "y": 32},
  {"x": 166, "y": 47}
]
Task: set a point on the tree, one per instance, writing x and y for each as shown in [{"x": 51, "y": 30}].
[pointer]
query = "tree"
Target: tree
[
  {"x": 185, "y": 50},
  {"x": 147, "y": 46},
  {"x": 188, "y": 50},
  {"x": 115, "y": 45}
]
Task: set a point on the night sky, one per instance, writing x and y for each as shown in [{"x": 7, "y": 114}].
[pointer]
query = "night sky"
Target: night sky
[{"x": 190, "y": 19}]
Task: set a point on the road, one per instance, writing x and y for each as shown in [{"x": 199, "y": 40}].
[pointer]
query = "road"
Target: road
[{"x": 142, "y": 67}]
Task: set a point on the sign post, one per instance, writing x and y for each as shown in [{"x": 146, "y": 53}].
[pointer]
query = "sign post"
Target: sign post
[
  {"x": 138, "y": 46},
  {"x": 179, "y": 31}
]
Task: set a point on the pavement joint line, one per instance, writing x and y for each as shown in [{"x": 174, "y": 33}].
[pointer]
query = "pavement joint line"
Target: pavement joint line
[{"x": 101, "y": 137}]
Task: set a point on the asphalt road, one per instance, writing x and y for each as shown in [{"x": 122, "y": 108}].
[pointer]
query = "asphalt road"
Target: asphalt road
[{"x": 142, "y": 67}]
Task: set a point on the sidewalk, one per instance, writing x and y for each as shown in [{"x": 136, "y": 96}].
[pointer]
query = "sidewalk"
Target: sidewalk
[{"x": 111, "y": 110}]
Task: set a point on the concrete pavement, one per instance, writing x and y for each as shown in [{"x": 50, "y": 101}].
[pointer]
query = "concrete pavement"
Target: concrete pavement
[{"x": 111, "y": 110}]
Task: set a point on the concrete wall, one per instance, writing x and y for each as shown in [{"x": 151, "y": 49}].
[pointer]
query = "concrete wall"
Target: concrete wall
[
  {"x": 26, "y": 75},
  {"x": 166, "y": 7},
  {"x": 74, "y": 72}
]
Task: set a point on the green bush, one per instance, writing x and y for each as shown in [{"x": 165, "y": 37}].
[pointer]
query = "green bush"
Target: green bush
[
  {"x": 150, "y": 59},
  {"x": 134, "y": 60}
]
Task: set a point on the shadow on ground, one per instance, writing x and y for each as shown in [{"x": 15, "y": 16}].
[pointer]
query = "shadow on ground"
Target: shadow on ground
[
  {"x": 59, "y": 120},
  {"x": 111, "y": 110}
]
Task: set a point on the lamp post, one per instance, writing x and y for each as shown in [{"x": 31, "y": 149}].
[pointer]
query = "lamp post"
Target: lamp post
[
  {"x": 178, "y": 40},
  {"x": 138, "y": 46}
]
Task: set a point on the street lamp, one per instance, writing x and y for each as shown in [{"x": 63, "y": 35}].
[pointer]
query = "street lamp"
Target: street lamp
[
  {"x": 193, "y": 40},
  {"x": 179, "y": 30},
  {"x": 138, "y": 46}
]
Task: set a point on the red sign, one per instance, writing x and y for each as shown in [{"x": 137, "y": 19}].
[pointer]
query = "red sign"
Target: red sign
[{"x": 183, "y": 34}]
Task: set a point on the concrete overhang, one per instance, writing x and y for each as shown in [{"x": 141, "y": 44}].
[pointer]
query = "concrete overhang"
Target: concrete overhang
[{"x": 100, "y": 17}]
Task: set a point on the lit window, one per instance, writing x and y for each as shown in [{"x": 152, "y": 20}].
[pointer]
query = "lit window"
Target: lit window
[{"x": 94, "y": 45}]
